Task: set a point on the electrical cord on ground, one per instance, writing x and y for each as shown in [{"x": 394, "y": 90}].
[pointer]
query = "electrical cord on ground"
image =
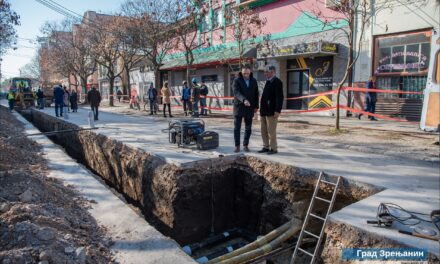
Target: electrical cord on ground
[{"x": 386, "y": 213}]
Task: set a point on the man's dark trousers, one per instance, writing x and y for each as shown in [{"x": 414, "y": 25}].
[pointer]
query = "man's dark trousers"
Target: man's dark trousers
[
  {"x": 247, "y": 129},
  {"x": 60, "y": 107},
  {"x": 95, "y": 111}
]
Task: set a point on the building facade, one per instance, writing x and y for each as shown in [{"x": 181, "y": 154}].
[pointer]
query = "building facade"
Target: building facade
[
  {"x": 308, "y": 51},
  {"x": 396, "y": 49}
]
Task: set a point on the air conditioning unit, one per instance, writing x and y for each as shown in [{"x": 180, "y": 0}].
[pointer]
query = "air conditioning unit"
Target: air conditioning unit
[{"x": 259, "y": 65}]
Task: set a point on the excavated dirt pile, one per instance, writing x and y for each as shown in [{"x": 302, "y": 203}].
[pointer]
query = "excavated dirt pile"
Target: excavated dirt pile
[{"x": 41, "y": 220}]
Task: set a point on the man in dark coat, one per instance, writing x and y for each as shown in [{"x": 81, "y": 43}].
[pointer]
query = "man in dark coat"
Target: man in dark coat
[
  {"x": 270, "y": 109},
  {"x": 152, "y": 97},
  {"x": 40, "y": 98},
  {"x": 370, "y": 99},
  {"x": 203, "y": 92},
  {"x": 74, "y": 101},
  {"x": 245, "y": 90},
  {"x": 94, "y": 98},
  {"x": 195, "y": 97},
  {"x": 58, "y": 97}
]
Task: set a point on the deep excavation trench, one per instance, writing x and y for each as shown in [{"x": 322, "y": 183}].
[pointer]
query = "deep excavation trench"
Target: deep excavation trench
[{"x": 195, "y": 200}]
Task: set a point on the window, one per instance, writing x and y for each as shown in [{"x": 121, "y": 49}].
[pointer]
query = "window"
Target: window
[
  {"x": 398, "y": 58},
  {"x": 218, "y": 18},
  {"x": 402, "y": 53},
  {"x": 229, "y": 15},
  {"x": 204, "y": 23},
  {"x": 412, "y": 57},
  {"x": 402, "y": 83},
  {"x": 425, "y": 54}
]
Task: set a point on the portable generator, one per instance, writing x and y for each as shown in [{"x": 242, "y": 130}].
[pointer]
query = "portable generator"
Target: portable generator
[{"x": 186, "y": 132}]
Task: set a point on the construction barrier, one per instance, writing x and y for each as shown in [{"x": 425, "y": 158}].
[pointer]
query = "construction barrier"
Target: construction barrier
[{"x": 229, "y": 106}]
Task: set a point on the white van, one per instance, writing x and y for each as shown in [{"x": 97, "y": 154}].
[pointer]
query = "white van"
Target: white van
[{"x": 430, "y": 120}]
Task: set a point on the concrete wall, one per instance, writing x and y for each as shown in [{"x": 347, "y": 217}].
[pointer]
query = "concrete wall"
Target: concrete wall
[
  {"x": 140, "y": 81},
  {"x": 216, "y": 88}
]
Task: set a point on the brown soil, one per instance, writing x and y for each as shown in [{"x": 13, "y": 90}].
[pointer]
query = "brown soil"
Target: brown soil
[{"x": 41, "y": 220}]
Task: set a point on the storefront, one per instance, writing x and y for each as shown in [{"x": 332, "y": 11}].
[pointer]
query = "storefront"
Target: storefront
[
  {"x": 308, "y": 70},
  {"x": 400, "y": 62},
  {"x": 216, "y": 66}
]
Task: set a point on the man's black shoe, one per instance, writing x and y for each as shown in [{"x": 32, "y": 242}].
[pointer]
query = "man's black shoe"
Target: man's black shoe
[
  {"x": 271, "y": 152},
  {"x": 263, "y": 150},
  {"x": 246, "y": 149}
]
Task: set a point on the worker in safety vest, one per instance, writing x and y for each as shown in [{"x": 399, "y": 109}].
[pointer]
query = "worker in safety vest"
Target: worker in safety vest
[{"x": 11, "y": 100}]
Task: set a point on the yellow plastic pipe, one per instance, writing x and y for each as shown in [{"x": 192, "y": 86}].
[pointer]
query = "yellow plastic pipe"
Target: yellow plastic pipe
[
  {"x": 260, "y": 241},
  {"x": 265, "y": 248}
]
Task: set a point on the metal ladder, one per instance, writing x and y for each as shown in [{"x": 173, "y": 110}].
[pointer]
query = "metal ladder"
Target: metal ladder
[{"x": 310, "y": 214}]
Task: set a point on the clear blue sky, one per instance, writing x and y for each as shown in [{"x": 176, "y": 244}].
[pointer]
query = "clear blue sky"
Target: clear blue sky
[{"x": 33, "y": 15}]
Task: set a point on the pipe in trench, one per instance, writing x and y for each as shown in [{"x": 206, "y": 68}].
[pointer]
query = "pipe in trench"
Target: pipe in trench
[
  {"x": 260, "y": 241},
  {"x": 220, "y": 252},
  {"x": 294, "y": 228},
  {"x": 190, "y": 249}
]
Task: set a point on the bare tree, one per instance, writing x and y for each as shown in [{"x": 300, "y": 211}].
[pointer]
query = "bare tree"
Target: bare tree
[
  {"x": 32, "y": 69},
  {"x": 149, "y": 30},
  {"x": 8, "y": 20},
  {"x": 245, "y": 26},
  {"x": 70, "y": 51},
  {"x": 106, "y": 48},
  {"x": 188, "y": 16},
  {"x": 127, "y": 33}
]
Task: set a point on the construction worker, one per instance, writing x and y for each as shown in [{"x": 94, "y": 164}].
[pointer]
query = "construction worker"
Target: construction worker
[{"x": 11, "y": 100}]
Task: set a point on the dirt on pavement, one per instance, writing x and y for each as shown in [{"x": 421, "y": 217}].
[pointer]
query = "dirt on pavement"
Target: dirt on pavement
[{"x": 41, "y": 219}]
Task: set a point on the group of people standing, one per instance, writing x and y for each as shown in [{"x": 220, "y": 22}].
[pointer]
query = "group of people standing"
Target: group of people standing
[
  {"x": 64, "y": 100},
  {"x": 191, "y": 97},
  {"x": 194, "y": 96}
]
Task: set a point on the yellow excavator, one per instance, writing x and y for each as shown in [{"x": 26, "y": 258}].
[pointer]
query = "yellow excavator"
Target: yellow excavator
[{"x": 24, "y": 96}]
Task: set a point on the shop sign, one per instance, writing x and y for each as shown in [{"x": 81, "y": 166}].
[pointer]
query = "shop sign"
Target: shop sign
[
  {"x": 209, "y": 78},
  {"x": 299, "y": 49},
  {"x": 385, "y": 66},
  {"x": 329, "y": 47}
]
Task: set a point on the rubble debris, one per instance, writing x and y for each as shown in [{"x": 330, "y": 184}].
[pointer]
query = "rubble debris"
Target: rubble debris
[{"x": 41, "y": 220}]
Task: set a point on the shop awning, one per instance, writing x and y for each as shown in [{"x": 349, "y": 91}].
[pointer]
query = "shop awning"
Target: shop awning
[{"x": 210, "y": 57}]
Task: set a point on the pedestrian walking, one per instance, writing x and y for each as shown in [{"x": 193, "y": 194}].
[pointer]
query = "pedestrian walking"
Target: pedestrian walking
[
  {"x": 119, "y": 95},
  {"x": 166, "y": 93},
  {"x": 66, "y": 99},
  {"x": 370, "y": 99},
  {"x": 186, "y": 98},
  {"x": 195, "y": 97},
  {"x": 270, "y": 109},
  {"x": 94, "y": 98},
  {"x": 74, "y": 101},
  {"x": 11, "y": 100},
  {"x": 203, "y": 93},
  {"x": 40, "y": 98},
  {"x": 152, "y": 98},
  {"x": 58, "y": 97},
  {"x": 245, "y": 90}
]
